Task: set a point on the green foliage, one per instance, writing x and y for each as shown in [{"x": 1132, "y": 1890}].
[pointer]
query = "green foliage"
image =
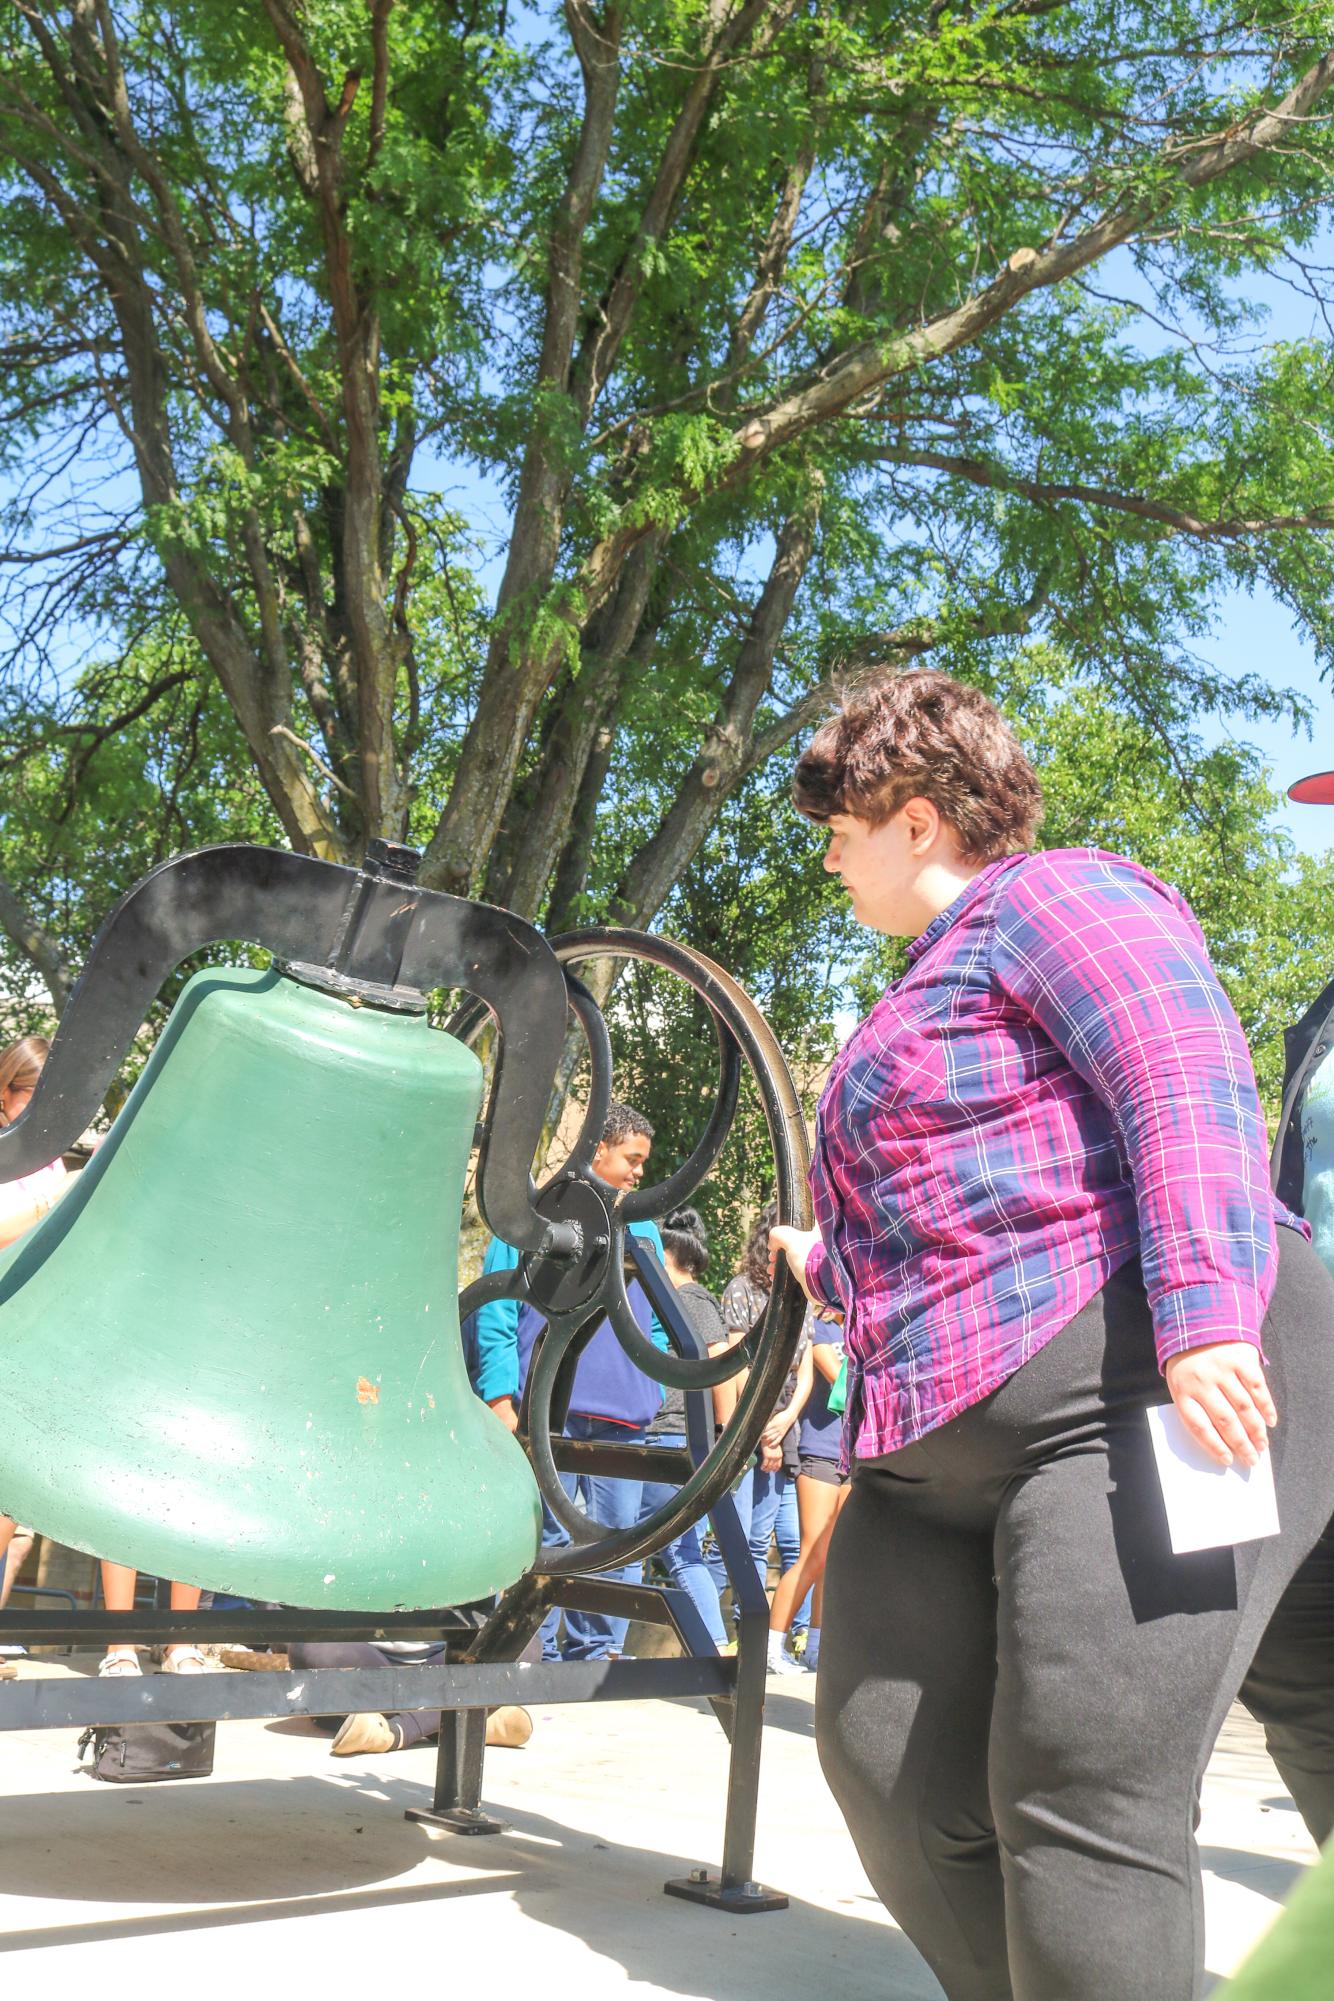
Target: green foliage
[
  {"x": 274, "y": 279},
  {"x": 95, "y": 795},
  {"x": 756, "y": 902},
  {"x": 1207, "y": 826}
]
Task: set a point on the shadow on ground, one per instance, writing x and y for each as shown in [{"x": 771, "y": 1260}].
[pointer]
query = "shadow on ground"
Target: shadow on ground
[
  {"x": 272, "y": 1849},
  {"x": 1273, "y": 1876},
  {"x": 788, "y": 1712}
]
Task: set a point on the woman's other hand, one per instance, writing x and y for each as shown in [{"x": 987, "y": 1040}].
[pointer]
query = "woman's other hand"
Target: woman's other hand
[
  {"x": 796, "y": 1246},
  {"x": 1224, "y": 1401}
]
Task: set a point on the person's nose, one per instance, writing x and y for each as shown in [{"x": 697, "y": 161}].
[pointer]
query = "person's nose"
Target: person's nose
[{"x": 833, "y": 855}]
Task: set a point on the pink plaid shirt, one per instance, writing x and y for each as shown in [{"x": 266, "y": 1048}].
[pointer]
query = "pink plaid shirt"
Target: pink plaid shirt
[{"x": 1056, "y": 1084}]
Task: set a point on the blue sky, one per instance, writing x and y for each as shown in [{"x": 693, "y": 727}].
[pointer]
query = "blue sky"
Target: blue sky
[{"x": 1255, "y": 635}]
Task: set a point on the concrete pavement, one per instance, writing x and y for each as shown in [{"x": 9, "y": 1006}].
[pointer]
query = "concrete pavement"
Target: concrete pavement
[{"x": 194, "y": 1887}]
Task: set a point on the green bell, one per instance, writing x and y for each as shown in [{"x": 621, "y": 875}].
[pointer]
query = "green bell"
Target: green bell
[{"x": 231, "y": 1355}]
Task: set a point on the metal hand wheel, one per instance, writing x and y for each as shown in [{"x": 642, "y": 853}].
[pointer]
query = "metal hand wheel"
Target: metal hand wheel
[{"x": 575, "y": 1295}]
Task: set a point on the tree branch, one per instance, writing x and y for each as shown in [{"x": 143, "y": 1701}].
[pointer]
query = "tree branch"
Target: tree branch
[
  {"x": 174, "y": 232},
  {"x": 380, "y": 12},
  {"x": 375, "y": 650},
  {"x": 877, "y": 650},
  {"x": 511, "y": 691},
  {"x": 570, "y": 742},
  {"x": 978, "y": 473},
  {"x": 861, "y": 368},
  {"x": 857, "y": 371},
  {"x": 772, "y": 260},
  {"x": 39, "y": 945},
  {"x": 720, "y": 765},
  {"x": 597, "y": 357},
  {"x": 308, "y": 750}
]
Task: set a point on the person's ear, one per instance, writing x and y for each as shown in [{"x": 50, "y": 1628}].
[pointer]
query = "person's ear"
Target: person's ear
[{"x": 922, "y": 819}]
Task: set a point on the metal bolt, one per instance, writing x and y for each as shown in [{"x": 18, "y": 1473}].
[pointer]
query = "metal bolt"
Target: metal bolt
[
  {"x": 751, "y": 1890},
  {"x": 699, "y": 1875}
]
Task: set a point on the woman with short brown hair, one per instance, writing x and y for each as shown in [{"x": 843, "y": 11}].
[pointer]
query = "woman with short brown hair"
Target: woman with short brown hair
[{"x": 1043, "y": 1206}]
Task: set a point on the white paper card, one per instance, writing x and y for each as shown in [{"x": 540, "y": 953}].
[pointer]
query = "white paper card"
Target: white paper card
[{"x": 1209, "y": 1506}]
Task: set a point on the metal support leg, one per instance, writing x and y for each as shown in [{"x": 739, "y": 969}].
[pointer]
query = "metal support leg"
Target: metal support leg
[
  {"x": 458, "y": 1777},
  {"x": 736, "y": 1890}
]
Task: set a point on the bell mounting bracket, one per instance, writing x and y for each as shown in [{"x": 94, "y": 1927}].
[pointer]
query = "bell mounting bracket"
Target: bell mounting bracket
[{"x": 371, "y": 935}]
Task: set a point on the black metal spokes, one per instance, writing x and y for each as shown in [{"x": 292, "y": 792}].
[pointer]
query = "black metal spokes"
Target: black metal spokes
[
  {"x": 692, "y": 967},
  {"x": 744, "y": 1036},
  {"x": 471, "y": 1016}
]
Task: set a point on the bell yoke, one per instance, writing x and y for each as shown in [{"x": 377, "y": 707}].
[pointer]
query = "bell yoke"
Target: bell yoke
[{"x": 244, "y": 1318}]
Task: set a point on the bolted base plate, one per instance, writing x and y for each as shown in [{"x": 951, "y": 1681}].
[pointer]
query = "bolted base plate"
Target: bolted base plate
[
  {"x": 743, "y": 1899},
  {"x": 458, "y": 1819}
]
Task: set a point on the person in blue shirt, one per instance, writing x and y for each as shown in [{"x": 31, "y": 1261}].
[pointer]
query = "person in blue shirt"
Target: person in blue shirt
[{"x": 611, "y": 1399}]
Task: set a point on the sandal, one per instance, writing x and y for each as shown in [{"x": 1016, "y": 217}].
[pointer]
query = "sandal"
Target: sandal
[
  {"x": 118, "y": 1662},
  {"x": 184, "y": 1660}
]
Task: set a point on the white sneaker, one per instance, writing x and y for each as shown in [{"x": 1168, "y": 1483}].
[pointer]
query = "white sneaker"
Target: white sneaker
[{"x": 781, "y": 1662}]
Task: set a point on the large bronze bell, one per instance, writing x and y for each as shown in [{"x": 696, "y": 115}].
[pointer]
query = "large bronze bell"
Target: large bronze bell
[{"x": 231, "y": 1355}]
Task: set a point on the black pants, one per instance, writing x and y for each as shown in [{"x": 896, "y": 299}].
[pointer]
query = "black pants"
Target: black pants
[
  {"x": 1290, "y": 1687},
  {"x": 1019, "y": 1683},
  {"x": 417, "y": 1725}
]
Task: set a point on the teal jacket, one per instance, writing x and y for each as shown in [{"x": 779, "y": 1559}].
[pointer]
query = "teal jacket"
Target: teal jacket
[{"x": 606, "y": 1384}]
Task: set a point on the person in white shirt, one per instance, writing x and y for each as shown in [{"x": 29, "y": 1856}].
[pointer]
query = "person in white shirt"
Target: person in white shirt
[{"x": 23, "y": 1203}]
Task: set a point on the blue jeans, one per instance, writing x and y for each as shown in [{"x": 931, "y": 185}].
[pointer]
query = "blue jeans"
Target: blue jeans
[
  {"x": 593, "y": 1636},
  {"x": 741, "y": 1501},
  {"x": 774, "y": 1515},
  {"x": 683, "y": 1560}
]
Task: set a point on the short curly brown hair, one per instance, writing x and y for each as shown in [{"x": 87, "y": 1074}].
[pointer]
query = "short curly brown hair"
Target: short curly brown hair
[{"x": 922, "y": 735}]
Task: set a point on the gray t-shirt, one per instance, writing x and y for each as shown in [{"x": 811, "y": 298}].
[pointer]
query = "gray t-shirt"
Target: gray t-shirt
[
  {"x": 743, "y": 1303},
  {"x": 702, "y": 1311}
]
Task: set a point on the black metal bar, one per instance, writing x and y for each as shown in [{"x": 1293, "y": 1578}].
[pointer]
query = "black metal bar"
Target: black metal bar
[
  {"x": 743, "y": 1778},
  {"x": 457, "y": 1804},
  {"x": 691, "y": 1367},
  {"x": 514, "y": 1621},
  {"x": 57, "y": 1703},
  {"x": 651, "y": 1604},
  {"x": 621, "y": 1462},
  {"x": 68, "y": 1598}
]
